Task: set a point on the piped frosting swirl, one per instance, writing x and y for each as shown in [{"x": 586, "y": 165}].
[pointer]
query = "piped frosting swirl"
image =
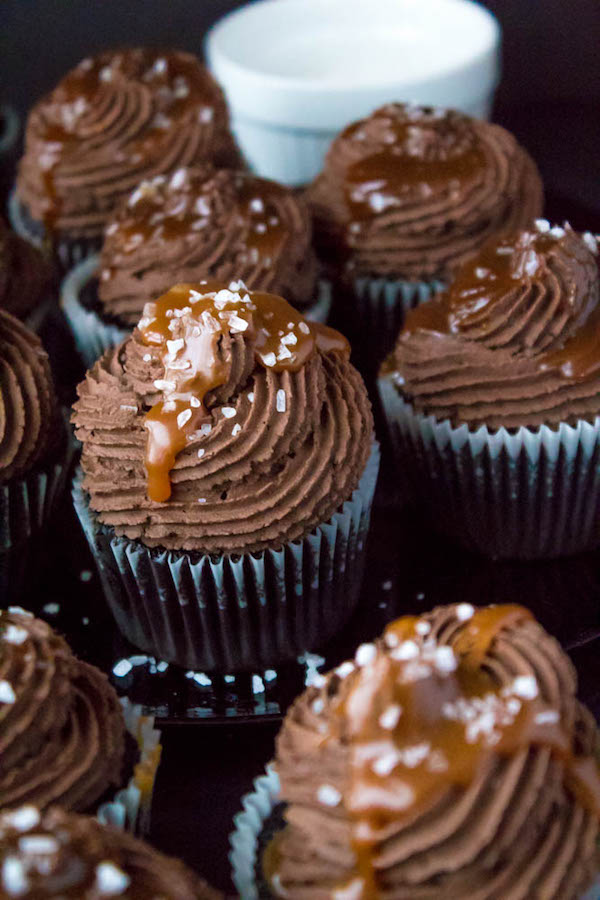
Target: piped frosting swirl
[
  {"x": 412, "y": 192},
  {"x": 61, "y": 727},
  {"x": 111, "y": 122},
  {"x": 206, "y": 224},
  {"x": 226, "y": 423},
  {"x": 451, "y": 758},
  {"x": 57, "y": 854},
  {"x": 514, "y": 340}
]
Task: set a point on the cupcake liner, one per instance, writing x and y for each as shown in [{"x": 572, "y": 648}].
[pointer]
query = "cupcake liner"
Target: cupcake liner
[
  {"x": 67, "y": 251},
  {"x": 258, "y": 807},
  {"x": 10, "y": 133},
  {"x": 522, "y": 494},
  {"x": 235, "y": 613},
  {"x": 130, "y": 808},
  {"x": 248, "y": 825},
  {"x": 371, "y": 312},
  {"x": 92, "y": 336},
  {"x": 26, "y": 506}
]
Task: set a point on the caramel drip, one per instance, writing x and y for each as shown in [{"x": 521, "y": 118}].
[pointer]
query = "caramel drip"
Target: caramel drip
[
  {"x": 422, "y": 153},
  {"x": 423, "y": 719},
  {"x": 188, "y": 324}
]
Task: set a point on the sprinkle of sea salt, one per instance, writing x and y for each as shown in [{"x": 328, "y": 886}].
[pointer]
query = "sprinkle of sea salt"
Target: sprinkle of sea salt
[
  {"x": 557, "y": 232},
  {"x": 18, "y": 610},
  {"x": 365, "y": 654},
  {"x": 236, "y": 429},
  {"x": 328, "y": 795},
  {"x": 258, "y": 686},
  {"x": 111, "y": 880},
  {"x": 201, "y": 499},
  {"x": 206, "y": 428},
  {"x": 390, "y": 717},
  {"x": 251, "y": 396},
  {"x": 525, "y": 686},
  {"x": 280, "y": 400},
  {"x": 24, "y": 818},
  {"x": 7, "y": 695},
  {"x": 122, "y": 668},
  {"x": 38, "y": 844},
  {"x": 464, "y": 612},
  {"x": 269, "y": 359},
  {"x": 183, "y": 418},
  {"x": 590, "y": 241},
  {"x": 547, "y": 717},
  {"x": 202, "y": 679},
  {"x": 386, "y": 585},
  {"x": 201, "y": 452},
  {"x": 228, "y": 411},
  {"x": 344, "y": 669},
  {"x": 14, "y": 634},
  {"x": 542, "y": 225},
  {"x": 14, "y": 880}
]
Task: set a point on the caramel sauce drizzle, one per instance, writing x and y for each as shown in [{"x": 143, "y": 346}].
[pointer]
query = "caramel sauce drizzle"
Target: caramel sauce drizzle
[
  {"x": 497, "y": 271},
  {"x": 187, "y": 324},
  {"x": 422, "y": 151},
  {"x": 178, "y": 86},
  {"x": 408, "y": 720}
]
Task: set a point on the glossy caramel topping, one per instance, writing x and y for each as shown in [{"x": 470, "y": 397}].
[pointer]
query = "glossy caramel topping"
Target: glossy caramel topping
[
  {"x": 189, "y": 324},
  {"x": 424, "y": 148},
  {"x": 424, "y": 718}
]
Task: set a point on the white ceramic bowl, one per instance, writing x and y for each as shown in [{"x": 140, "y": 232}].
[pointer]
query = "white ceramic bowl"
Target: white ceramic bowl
[{"x": 297, "y": 71}]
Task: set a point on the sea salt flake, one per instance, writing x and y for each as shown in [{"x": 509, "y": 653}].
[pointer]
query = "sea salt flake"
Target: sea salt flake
[
  {"x": 42, "y": 844},
  {"x": 344, "y": 669},
  {"x": 258, "y": 686},
  {"x": 19, "y": 611},
  {"x": 174, "y": 346},
  {"x": 111, "y": 880},
  {"x": 162, "y": 666},
  {"x": 386, "y": 585},
  {"x": 122, "y": 668},
  {"x": 542, "y": 225},
  {"x": 228, "y": 411},
  {"x": 161, "y": 384},
  {"x": 481, "y": 272},
  {"x": 178, "y": 179},
  {"x": 405, "y": 651},
  {"x": 386, "y": 763},
  {"x": 525, "y": 686},
  {"x": 445, "y": 660},
  {"x": 590, "y": 241},
  {"x": 201, "y": 679},
  {"x": 236, "y": 429},
  {"x": 256, "y": 205},
  {"x": 183, "y": 418},
  {"x": 14, "y": 634},
  {"x": 206, "y": 428},
  {"x": 328, "y": 795},
  {"x": 303, "y": 327},
  {"x": 423, "y": 628},
  {"x": 284, "y": 353},
  {"x": 365, "y": 654},
  {"x": 390, "y": 717},
  {"x": 7, "y": 694},
  {"x": 195, "y": 402},
  {"x": 201, "y": 452},
  {"x": 269, "y": 359},
  {"x": 318, "y": 706},
  {"x": 464, "y": 612},
  {"x": 557, "y": 232},
  {"x": 251, "y": 396},
  {"x": 201, "y": 499},
  {"x": 24, "y": 818},
  {"x": 205, "y": 115},
  {"x": 280, "y": 402},
  {"x": 237, "y": 324},
  {"x": 14, "y": 879},
  {"x": 547, "y": 717}
]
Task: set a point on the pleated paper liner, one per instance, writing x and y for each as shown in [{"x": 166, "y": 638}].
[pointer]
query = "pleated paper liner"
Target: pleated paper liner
[
  {"x": 26, "y": 506},
  {"x": 130, "y": 808},
  {"x": 255, "y": 826},
  {"x": 371, "y": 312},
  {"x": 94, "y": 334},
  {"x": 519, "y": 494},
  {"x": 237, "y": 613},
  {"x": 68, "y": 252}
]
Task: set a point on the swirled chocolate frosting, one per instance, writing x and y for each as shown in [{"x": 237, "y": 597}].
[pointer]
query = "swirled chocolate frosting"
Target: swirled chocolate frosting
[
  {"x": 28, "y": 406},
  {"x": 202, "y": 223},
  {"x": 115, "y": 120},
  {"x": 61, "y": 727},
  {"x": 514, "y": 340},
  {"x": 225, "y": 423},
  {"x": 25, "y": 276},
  {"x": 451, "y": 759},
  {"x": 58, "y": 854},
  {"x": 412, "y": 192}
]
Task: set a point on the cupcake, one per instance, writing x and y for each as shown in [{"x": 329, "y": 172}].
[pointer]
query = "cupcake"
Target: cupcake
[
  {"x": 198, "y": 224},
  {"x": 10, "y": 127},
  {"x": 59, "y": 854},
  {"x": 35, "y": 448},
  {"x": 25, "y": 279},
  {"x": 450, "y": 759},
  {"x": 112, "y": 121},
  {"x": 62, "y": 732},
  {"x": 406, "y": 196},
  {"x": 492, "y": 394},
  {"x": 229, "y": 466}
]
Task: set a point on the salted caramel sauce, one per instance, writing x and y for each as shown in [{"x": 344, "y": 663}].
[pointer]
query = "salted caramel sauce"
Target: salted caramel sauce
[
  {"x": 424, "y": 719},
  {"x": 422, "y": 149},
  {"x": 187, "y": 325}
]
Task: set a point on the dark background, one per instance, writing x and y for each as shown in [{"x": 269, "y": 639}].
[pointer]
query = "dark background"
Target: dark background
[{"x": 550, "y": 98}]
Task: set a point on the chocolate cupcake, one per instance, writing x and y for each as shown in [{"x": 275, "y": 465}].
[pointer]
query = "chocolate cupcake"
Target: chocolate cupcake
[
  {"x": 58, "y": 854},
  {"x": 198, "y": 224},
  {"x": 62, "y": 733},
  {"x": 229, "y": 468},
  {"x": 10, "y": 127},
  {"x": 492, "y": 395},
  {"x": 450, "y": 759},
  {"x": 35, "y": 447},
  {"x": 25, "y": 279},
  {"x": 406, "y": 196},
  {"x": 112, "y": 121}
]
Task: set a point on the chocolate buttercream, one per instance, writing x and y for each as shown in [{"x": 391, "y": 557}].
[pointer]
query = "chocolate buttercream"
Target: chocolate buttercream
[
  {"x": 203, "y": 223},
  {"x": 25, "y": 276},
  {"x": 28, "y": 406},
  {"x": 451, "y": 759},
  {"x": 248, "y": 421},
  {"x": 514, "y": 340},
  {"x": 412, "y": 192},
  {"x": 111, "y": 122},
  {"x": 61, "y": 728},
  {"x": 57, "y": 854}
]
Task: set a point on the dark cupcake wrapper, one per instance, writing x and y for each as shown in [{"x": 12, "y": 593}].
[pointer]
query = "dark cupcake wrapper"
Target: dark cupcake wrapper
[
  {"x": 68, "y": 251},
  {"x": 371, "y": 312},
  {"x": 520, "y": 494},
  {"x": 93, "y": 335},
  {"x": 130, "y": 808},
  {"x": 237, "y": 613}
]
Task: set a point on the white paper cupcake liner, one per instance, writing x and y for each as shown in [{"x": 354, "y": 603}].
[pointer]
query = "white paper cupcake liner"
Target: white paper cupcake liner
[
  {"x": 257, "y": 806},
  {"x": 92, "y": 336},
  {"x": 68, "y": 252},
  {"x": 236, "y": 613},
  {"x": 521, "y": 494},
  {"x": 130, "y": 808},
  {"x": 371, "y": 312}
]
